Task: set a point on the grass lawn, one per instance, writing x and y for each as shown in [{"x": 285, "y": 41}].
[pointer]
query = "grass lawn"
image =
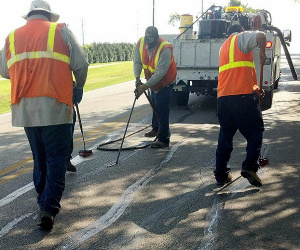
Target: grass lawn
[{"x": 99, "y": 76}]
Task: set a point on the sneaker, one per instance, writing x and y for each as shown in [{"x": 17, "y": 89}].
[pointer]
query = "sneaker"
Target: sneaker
[
  {"x": 159, "y": 144},
  {"x": 47, "y": 221},
  {"x": 71, "y": 167},
  {"x": 252, "y": 177},
  {"x": 227, "y": 180},
  {"x": 151, "y": 133}
]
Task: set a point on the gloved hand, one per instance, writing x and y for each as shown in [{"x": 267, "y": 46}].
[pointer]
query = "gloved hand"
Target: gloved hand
[
  {"x": 140, "y": 90},
  {"x": 258, "y": 91},
  {"x": 261, "y": 92},
  {"x": 138, "y": 82},
  {"x": 77, "y": 95}
]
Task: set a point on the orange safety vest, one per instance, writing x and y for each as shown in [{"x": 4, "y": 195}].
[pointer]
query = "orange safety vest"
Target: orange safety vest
[
  {"x": 150, "y": 66},
  {"x": 38, "y": 60},
  {"x": 237, "y": 73}
]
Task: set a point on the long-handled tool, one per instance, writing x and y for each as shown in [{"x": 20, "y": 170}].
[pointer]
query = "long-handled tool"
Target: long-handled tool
[
  {"x": 113, "y": 164},
  {"x": 262, "y": 161},
  {"x": 100, "y": 147},
  {"x": 84, "y": 152}
]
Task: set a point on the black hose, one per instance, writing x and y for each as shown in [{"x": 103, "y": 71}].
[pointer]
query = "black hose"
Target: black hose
[
  {"x": 286, "y": 52},
  {"x": 100, "y": 147}
]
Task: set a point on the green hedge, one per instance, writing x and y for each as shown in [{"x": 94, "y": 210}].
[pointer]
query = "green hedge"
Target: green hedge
[{"x": 108, "y": 52}]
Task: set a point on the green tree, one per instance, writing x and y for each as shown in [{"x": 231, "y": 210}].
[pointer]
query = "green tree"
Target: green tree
[
  {"x": 173, "y": 19},
  {"x": 249, "y": 9},
  {"x": 245, "y": 7},
  {"x": 108, "y": 52},
  {"x": 235, "y": 3}
]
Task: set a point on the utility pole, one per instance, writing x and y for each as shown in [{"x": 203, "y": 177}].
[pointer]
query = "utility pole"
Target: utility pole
[
  {"x": 153, "y": 12},
  {"x": 137, "y": 26},
  {"x": 82, "y": 32}
]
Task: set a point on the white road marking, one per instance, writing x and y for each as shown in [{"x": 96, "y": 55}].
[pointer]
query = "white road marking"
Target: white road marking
[
  {"x": 117, "y": 209},
  {"x": 10, "y": 225},
  {"x": 12, "y": 196}
]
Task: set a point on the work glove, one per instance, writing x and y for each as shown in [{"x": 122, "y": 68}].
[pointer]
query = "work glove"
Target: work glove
[
  {"x": 77, "y": 95},
  {"x": 140, "y": 90},
  {"x": 260, "y": 92},
  {"x": 138, "y": 83}
]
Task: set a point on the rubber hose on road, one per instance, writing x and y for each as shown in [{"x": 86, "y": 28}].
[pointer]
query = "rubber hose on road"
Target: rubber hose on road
[{"x": 100, "y": 147}]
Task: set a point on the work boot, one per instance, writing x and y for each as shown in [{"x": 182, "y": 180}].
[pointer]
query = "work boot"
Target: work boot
[
  {"x": 71, "y": 167},
  {"x": 151, "y": 133},
  {"x": 159, "y": 144},
  {"x": 252, "y": 177},
  {"x": 227, "y": 180},
  {"x": 46, "y": 221}
]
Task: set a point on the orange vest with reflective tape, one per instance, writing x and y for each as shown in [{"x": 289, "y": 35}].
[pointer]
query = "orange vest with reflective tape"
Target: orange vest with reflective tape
[
  {"x": 237, "y": 73},
  {"x": 38, "y": 60},
  {"x": 150, "y": 66}
]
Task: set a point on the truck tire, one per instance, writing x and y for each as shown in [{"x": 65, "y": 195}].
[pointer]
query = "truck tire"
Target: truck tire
[
  {"x": 276, "y": 83},
  {"x": 267, "y": 100},
  {"x": 181, "y": 97}
]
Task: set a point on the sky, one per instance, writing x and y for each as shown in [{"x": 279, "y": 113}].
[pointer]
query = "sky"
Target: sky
[{"x": 126, "y": 20}]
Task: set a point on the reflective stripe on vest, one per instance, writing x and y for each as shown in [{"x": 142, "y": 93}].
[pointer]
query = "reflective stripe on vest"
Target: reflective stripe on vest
[
  {"x": 141, "y": 50},
  {"x": 145, "y": 67},
  {"x": 232, "y": 64},
  {"x": 36, "y": 54}
]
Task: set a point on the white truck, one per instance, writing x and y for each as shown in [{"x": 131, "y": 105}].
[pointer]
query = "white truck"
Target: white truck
[{"x": 197, "y": 55}]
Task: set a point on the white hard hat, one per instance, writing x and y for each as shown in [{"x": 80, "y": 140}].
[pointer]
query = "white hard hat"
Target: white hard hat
[{"x": 43, "y": 6}]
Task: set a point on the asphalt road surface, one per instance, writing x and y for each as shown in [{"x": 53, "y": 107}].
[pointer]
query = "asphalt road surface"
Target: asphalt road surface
[{"x": 159, "y": 198}]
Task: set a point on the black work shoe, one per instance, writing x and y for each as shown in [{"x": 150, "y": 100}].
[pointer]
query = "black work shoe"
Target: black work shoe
[
  {"x": 252, "y": 177},
  {"x": 151, "y": 133},
  {"x": 227, "y": 180},
  {"x": 159, "y": 144},
  {"x": 47, "y": 221},
  {"x": 71, "y": 167}
]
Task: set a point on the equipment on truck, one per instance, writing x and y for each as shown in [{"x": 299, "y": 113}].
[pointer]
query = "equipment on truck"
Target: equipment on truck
[{"x": 197, "y": 56}]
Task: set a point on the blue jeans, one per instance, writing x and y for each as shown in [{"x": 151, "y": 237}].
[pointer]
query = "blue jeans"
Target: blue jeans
[
  {"x": 50, "y": 147},
  {"x": 161, "y": 101},
  {"x": 243, "y": 113}
]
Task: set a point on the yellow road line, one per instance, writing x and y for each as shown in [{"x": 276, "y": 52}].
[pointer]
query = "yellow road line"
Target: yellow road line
[
  {"x": 12, "y": 167},
  {"x": 13, "y": 176},
  {"x": 124, "y": 117},
  {"x": 117, "y": 125},
  {"x": 108, "y": 127}
]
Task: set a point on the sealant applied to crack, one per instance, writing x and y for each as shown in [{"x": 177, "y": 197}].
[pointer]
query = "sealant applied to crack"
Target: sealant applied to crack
[
  {"x": 213, "y": 217},
  {"x": 117, "y": 209}
]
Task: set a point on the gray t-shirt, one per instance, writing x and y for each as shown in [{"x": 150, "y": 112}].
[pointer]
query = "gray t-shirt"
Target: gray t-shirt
[{"x": 247, "y": 41}]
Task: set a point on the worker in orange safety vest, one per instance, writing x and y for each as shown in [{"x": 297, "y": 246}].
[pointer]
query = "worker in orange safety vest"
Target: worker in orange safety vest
[
  {"x": 39, "y": 59},
  {"x": 155, "y": 56},
  {"x": 238, "y": 102}
]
